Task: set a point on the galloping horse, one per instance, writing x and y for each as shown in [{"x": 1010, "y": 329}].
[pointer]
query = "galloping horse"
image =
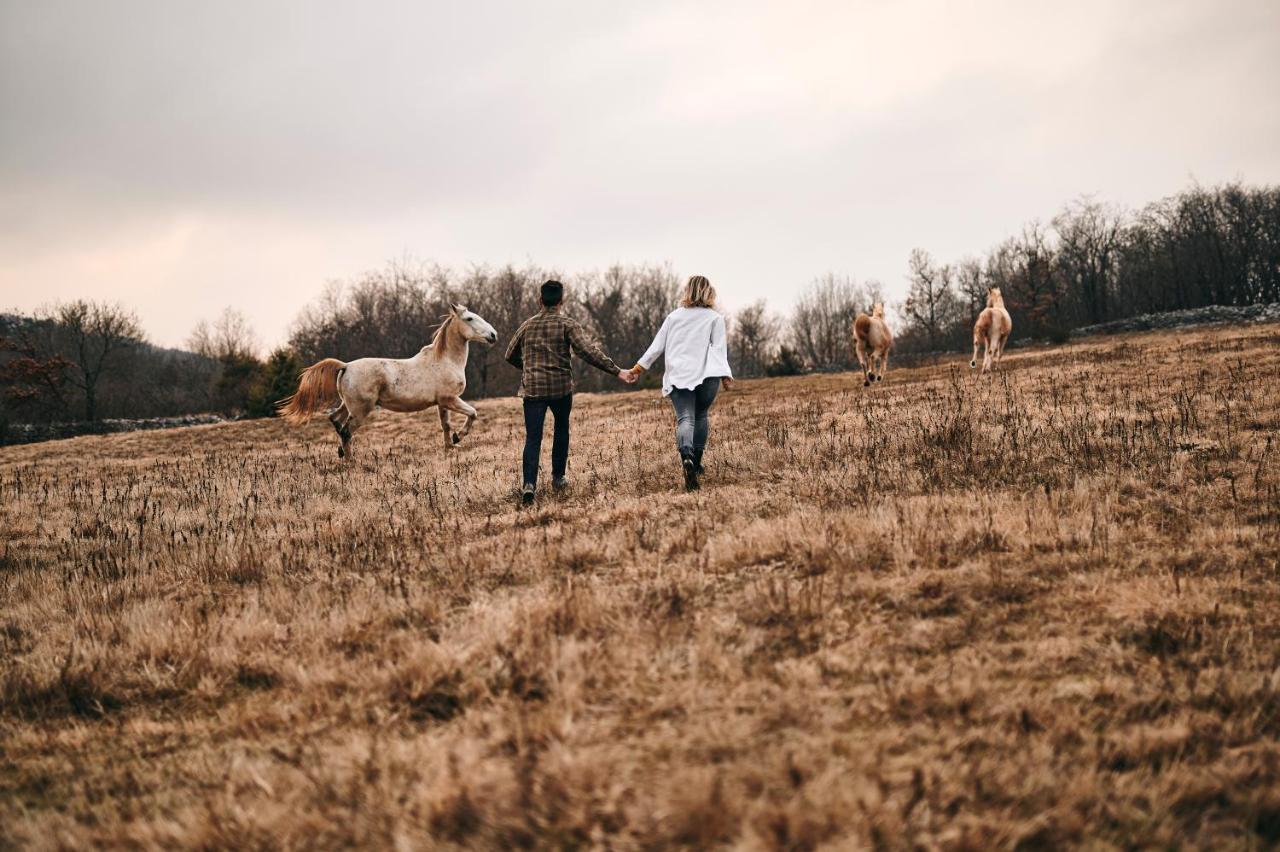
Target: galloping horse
[
  {"x": 871, "y": 333},
  {"x": 992, "y": 328},
  {"x": 437, "y": 376}
]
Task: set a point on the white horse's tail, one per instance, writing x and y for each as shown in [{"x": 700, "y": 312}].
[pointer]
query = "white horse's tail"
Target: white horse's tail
[{"x": 317, "y": 388}]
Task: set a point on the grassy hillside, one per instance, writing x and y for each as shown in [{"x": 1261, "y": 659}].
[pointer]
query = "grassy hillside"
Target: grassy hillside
[{"x": 1038, "y": 608}]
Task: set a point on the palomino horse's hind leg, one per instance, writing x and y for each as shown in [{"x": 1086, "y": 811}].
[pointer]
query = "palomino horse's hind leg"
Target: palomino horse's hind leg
[
  {"x": 884, "y": 365},
  {"x": 861, "y": 350},
  {"x": 453, "y": 403},
  {"x": 974, "y": 361}
]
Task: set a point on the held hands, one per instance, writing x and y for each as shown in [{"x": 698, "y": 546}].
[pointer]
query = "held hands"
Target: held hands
[{"x": 627, "y": 376}]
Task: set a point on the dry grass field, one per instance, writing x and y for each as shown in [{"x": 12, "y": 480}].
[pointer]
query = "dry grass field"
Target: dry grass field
[{"x": 1033, "y": 610}]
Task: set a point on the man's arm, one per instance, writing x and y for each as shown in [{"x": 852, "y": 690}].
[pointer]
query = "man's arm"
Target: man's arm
[
  {"x": 515, "y": 349},
  {"x": 589, "y": 350}
]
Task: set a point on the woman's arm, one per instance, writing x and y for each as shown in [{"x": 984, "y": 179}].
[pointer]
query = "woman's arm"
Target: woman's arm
[
  {"x": 719, "y": 345},
  {"x": 656, "y": 348}
]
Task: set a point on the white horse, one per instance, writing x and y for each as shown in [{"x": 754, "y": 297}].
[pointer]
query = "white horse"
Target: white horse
[
  {"x": 992, "y": 329},
  {"x": 437, "y": 376}
]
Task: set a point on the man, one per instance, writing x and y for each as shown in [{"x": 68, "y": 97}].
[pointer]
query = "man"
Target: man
[{"x": 540, "y": 350}]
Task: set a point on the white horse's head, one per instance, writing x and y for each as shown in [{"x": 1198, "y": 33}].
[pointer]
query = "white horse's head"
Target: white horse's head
[{"x": 474, "y": 327}]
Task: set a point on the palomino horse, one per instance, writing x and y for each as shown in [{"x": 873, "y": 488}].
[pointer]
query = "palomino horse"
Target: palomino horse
[
  {"x": 437, "y": 376},
  {"x": 992, "y": 328},
  {"x": 871, "y": 334}
]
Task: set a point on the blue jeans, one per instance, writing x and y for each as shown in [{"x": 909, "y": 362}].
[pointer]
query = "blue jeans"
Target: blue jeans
[
  {"x": 692, "y": 423},
  {"x": 535, "y": 414}
]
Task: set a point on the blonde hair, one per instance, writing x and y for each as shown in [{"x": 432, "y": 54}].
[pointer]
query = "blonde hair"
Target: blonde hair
[{"x": 698, "y": 293}]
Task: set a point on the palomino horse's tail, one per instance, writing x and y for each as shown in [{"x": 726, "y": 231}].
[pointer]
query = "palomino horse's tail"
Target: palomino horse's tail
[
  {"x": 862, "y": 327},
  {"x": 317, "y": 388}
]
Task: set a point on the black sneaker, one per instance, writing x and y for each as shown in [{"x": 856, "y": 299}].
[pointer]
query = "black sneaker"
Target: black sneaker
[
  {"x": 690, "y": 475},
  {"x": 526, "y": 495},
  {"x": 560, "y": 484}
]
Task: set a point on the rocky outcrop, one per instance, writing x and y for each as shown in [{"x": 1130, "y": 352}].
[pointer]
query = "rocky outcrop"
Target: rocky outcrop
[
  {"x": 1178, "y": 319},
  {"x": 30, "y": 433}
]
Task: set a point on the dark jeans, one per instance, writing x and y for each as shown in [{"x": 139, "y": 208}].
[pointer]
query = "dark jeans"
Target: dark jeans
[
  {"x": 535, "y": 414},
  {"x": 692, "y": 424}
]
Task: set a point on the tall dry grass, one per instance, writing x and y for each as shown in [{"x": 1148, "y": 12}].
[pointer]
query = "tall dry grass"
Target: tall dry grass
[{"x": 1034, "y": 610}]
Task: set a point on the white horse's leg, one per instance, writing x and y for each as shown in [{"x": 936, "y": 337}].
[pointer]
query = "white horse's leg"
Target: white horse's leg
[
  {"x": 358, "y": 411},
  {"x": 340, "y": 417},
  {"x": 444, "y": 425},
  {"x": 453, "y": 403},
  {"x": 471, "y": 413},
  {"x": 884, "y": 364}
]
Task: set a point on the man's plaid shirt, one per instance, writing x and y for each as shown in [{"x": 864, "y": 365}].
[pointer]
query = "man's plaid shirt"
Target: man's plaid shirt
[{"x": 540, "y": 350}]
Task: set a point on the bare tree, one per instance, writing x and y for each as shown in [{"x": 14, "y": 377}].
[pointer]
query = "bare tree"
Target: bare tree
[
  {"x": 228, "y": 337},
  {"x": 505, "y": 298},
  {"x": 753, "y": 339},
  {"x": 1088, "y": 245},
  {"x": 90, "y": 337},
  {"x": 931, "y": 306},
  {"x": 624, "y": 306},
  {"x": 971, "y": 286},
  {"x": 1035, "y": 290},
  {"x": 822, "y": 324},
  {"x": 389, "y": 312}
]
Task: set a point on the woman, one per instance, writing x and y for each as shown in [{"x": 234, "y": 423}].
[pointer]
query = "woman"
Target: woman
[{"x": 693, "y": 339}]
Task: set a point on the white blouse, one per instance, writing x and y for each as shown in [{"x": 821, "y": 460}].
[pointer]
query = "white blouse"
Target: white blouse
[{"x": 693, "y": 340}]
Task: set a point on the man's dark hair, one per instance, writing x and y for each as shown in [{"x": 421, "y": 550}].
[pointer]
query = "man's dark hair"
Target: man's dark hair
[{"x": 552, "y": 293}]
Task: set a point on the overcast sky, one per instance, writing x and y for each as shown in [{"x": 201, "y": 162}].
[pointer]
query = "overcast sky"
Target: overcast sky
[{"x": 184, "y": 156}]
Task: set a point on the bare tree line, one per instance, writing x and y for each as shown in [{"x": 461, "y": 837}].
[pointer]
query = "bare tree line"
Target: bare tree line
[
  {"x": 1094, "y": 262},
  {"x": 90, "y": 360},
  {"x": 1091, "y": 263},
  {"x": 392, "y": 311}
]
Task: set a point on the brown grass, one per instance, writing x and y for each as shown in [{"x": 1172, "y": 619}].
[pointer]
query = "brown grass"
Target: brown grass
[{"x": 1034, "y": 610}]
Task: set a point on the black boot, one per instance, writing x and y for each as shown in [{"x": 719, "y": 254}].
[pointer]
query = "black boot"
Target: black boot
[
  {"x": 697, "y": 462},
  {"x": 690, "y": 473}
]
